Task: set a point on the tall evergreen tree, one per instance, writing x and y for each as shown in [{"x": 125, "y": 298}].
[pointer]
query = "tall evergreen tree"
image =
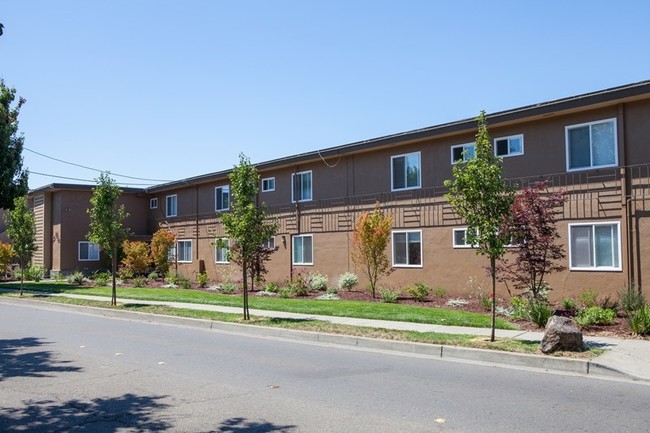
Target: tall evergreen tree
[{"x": 13, "y": 179}]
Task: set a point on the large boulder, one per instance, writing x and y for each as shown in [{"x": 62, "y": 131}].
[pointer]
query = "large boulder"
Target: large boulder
[{"x": 561, "y": 333}]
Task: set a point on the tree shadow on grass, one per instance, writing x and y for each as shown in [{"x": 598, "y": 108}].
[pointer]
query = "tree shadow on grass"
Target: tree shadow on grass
[
  {"x": 242, "y": 425},
  {"x": 21, "y": 358},
  {"x": 283, "y": 320},
  {"x": 128, "y": 412}
]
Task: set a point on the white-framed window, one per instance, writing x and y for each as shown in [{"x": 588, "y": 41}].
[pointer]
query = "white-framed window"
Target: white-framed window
[
  {"x": 184, "y": 251},
  {"x": 595, "y": 246},
  {"x": 301, "y": 186},
  {"x": 591, "y": 145},
  {"x": 222, "y": 198},
  {"x": 405, "y": 171},
  {"x": 270, "y": 243},
  {"x": 303, "y": 250},
  {"x": 407, "y": 248},
  {"x": 268, "y": 184},
  {"x": 460, "y": 238},
  {"x": 509, "y": 146},
  {"x": 153, "y": 203},
  {"x": 88, "y": 252},
  {"x": 221, "y": 251},
  {"x": 462, "y": 152},
  {"x": 170, "y": 208}
]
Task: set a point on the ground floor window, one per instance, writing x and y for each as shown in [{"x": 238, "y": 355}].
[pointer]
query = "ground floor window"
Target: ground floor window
[
  {"x": 182, "y": 252},
  {"x": 88, "y": 252},
  {"x": 303, "y": 250},
  {"x": 407, "y": 248},
  {"x": 595, "y": 246},
  {"x": 221, "y": 251}
]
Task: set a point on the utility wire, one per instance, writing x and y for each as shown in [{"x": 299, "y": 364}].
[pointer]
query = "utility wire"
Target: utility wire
[
  {"x": 93, "y": 169},
  {"x": 85, "y": 180}
]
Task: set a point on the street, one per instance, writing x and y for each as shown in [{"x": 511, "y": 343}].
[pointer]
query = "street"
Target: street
[{"x": 67, "y": 371}]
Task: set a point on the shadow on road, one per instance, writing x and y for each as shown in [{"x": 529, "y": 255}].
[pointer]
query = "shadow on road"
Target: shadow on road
[
  {"x": 19, "y": 358},
  {"x": 128, "y": 412},
  {"x": 242, "y": 425}
]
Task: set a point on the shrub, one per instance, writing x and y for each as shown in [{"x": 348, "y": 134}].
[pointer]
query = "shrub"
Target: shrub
[
  {"x": 589, "y": 298},
  {"x": 632, "y": 299},
  {"x": 539, "y": 312},
  {"x": 388, "y": 296},
  {"x": 569, "y": 304},
  {"x": 485, "y": 301},
  {"x": 595, "y": 316},
  {"x": 125, "y": 273},
  {"x": 102, "y": 278},
  {"x": 347, "y": 281},
  {"x": 520, "y": 307},
  {"x": 639, "y": 321},
  {"x": 136, "y": 256},
  {"x": 608, "y": 304},
  {"x": 161, "y": 242},
  {"x": 184, "y": 283},
  {"x": 284, "y": 292},
  {"x": 332, "y": 290},
  {"x": 139, "y": 282},
  {"x": 317, "y": 281},
  {"x": 6, "y": 257},
  {"x": 34, "y": 273},
  {"x": 420, "y": 291},
  {"x": 202, "y": 279},
  {"x": 228, "y": 288},
  {"x": 439, "y": 292},
  {"x": 271, "y": 288},
  {"x": 153, "y": 276},
  {"x": 172, "y": 278},
  {"x": 298, "y": 287},
  {"x": 76, "y": 279}
]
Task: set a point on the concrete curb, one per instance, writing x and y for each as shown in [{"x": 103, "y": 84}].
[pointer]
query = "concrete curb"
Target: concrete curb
[{"x": 540, "y": 362}]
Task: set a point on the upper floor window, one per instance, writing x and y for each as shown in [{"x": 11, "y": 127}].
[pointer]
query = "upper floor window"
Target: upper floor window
[
  {"x": 509, "y": 146},
  {"x": 170, "y": 210},
  {"x": 303, "y": 250},
  {"x": 405, "y": 171},
  {"x": 591, "y": 145},
  {"x": 595, "y": 246},
  {"x": 407, "y": 248},
  {"x": 88, "y": 252},
  {"x": 301, "y": 186},
  {"x": 268, "y": 184},
  {"x": 222, "y": 198},
  {"x": 462, "y": 152},
  {"x": 153, "y": 203},
  {"x": 221, "y": 251}
]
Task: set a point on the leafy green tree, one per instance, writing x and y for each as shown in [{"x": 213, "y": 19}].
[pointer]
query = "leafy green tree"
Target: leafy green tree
[
  {"x": 21, "y": 229},
  {"x": 479, "y": 195},
  {"x": 246, "y": 223},
  {"x": 107, "y": 222},
  {"x": 13, "y": 179},
  {"x": 371, "y": 236}
]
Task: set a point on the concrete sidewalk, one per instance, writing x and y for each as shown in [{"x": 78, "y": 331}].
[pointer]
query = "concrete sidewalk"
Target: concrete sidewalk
[{"x": 625, "y": 358}]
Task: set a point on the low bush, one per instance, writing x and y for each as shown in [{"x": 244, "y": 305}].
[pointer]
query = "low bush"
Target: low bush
[
  {"x": 76, "y": 279},
  {"x": 271, "y": 287},
  {"x": 420, "y": 291},
  {"x": 34, "y": 273},
  {"x": 202, "y": 279},
  {"x": 228, "y": 288},
  {"x": 631, "y": 299},
  {"x": 298, "y": 287},
  {"x": 639, "y": 321},
  {"x": 589, "y": 298},
  {"x": 101, "y": 279},
  {"x": 485, "y": 301},
  {"x": 608, "y": 304},
  {"x": 439, "y": 292},
  {"x": 125, "y": 273},
  {"x": 539, "y": 312},
  {"x": 184, "y": 283},
  {"x": 569, "y": 304},
  {"x": 388, "y": 296},
  {"x": 153, "y": 276},
  {"x": 139, "y": 282},
  {"x": 317, "y": 281},
  {"x": 348, "y": 281},
  {"x": 520, "y": 308},
  {"x": 284, "y": 292},
  {"x": 595, "y": 316}
]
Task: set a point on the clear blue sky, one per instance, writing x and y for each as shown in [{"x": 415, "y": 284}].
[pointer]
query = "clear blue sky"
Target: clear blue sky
[{"x": 173, "y": 89}]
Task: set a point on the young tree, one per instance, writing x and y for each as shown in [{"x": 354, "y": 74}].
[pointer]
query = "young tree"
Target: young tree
[
  {"x": 6, "y": 257},
  {"x": 532, "y": 228},
  {"x": 246, "y": 223},
  {"x": 13, "y": 179},
  {"x": 136, "y": 256},
  {"x": 371, "y": 236},
  {"x": 480, "y": 196},
  {"x": 257, "y": 265},
  {"x": 161, "y": 243},
  {"x": 107, "y": 222},
  {"x": 22, "y": 233}
]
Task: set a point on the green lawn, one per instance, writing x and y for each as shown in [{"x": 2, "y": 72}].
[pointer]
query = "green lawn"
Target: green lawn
[{"x": 364, "y": 310}]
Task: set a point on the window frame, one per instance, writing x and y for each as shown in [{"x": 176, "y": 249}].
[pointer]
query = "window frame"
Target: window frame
[
  {"x": 225, "y": 250},
  {"x": 393, "y": 247},
  {"x": 311, "y": 186},
  {"x": 216, "y": 195},
  {"x": 153, "y": 203},
  {"x": 268, "y": 180},
  {"x": 453, "y": 238},
  {"x": 595, "y": 268},
  {"x": 392, "y": 171},
  {"x": 174, "y": 198},
  {"x": 590, "y": 125},
  {"x": 88, "y": 250},
  {"x": 508, "y": 138},
  {"x": 177, "y": 249},
  {"x": 464, "y": 146},
  {"x": 293, "y": 250}
]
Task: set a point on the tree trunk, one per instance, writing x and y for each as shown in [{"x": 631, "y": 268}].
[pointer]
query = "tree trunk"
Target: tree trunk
[
  {"x": 114, "y": 266},
  {"x": 493, "y": 273},
  {"x": 245, "y": 282},
  {"x": 22, "y": 276}
]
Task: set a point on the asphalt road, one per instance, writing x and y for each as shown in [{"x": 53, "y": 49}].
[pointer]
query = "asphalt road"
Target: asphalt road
[{"x": 71, "y": 372}]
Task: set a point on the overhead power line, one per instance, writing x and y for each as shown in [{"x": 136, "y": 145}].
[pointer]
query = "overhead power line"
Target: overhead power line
[
  {"x": 94, "y": 169},
  {"x": 86, "y": 180}
]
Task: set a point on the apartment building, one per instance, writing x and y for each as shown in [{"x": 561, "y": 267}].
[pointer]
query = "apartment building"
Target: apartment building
[{"x": 594, "y": 146}]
